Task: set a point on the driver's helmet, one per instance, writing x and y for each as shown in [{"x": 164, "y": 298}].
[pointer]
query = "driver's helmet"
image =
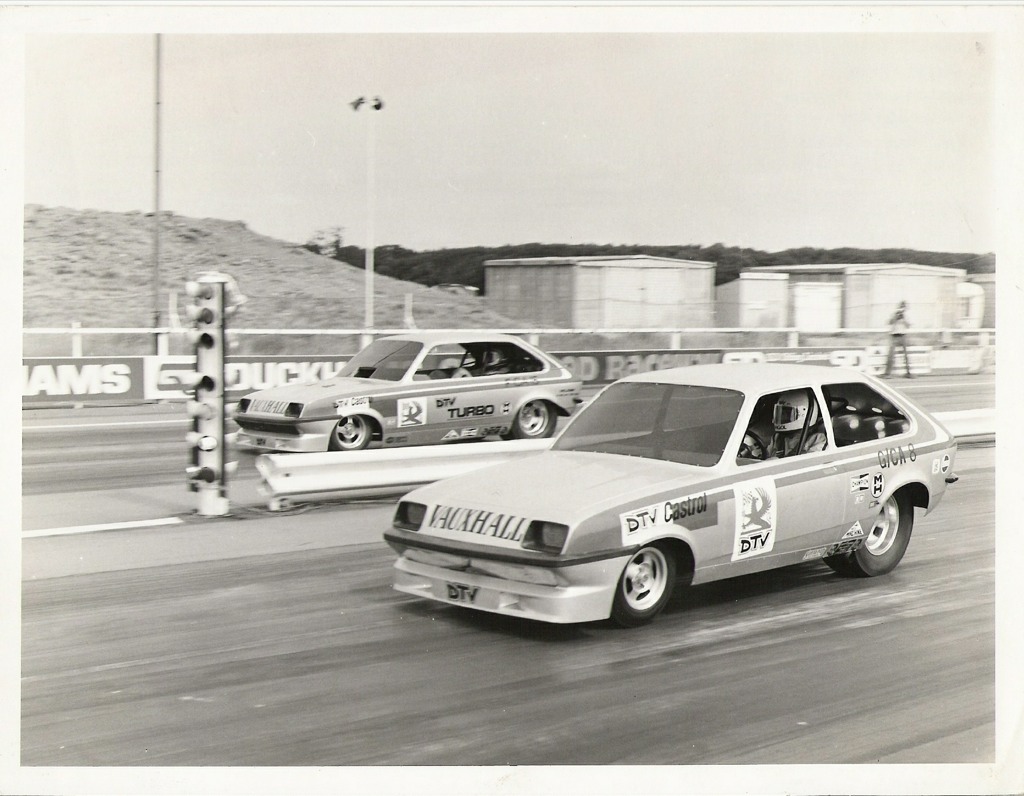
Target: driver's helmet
[
  {"x": 494, "y": 358},
  {"x": 790, "y": 410}
]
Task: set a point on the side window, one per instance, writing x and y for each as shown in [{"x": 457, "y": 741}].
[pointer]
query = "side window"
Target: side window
[
  {"x": 514, "y": 359},
  {"x": 860, "y": 414},
  {"x": 448, "y": 361},
  {"x": 499, "y": 358},
  {"x": 455, "y": 361},
  {"x": 783, "y": 424}
]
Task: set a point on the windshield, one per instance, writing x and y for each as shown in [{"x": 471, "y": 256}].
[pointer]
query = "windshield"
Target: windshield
[
  {"x": 383, "y": 359},
  {"x": 678, "y": 423}
]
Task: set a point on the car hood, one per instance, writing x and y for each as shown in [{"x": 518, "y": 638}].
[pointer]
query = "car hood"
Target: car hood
[
  {"x": 340, "y": 386},
  {"x": 561, "y": 486}
]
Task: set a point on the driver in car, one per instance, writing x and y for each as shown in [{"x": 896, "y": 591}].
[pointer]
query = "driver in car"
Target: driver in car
[{"x": 791, "y": 409}]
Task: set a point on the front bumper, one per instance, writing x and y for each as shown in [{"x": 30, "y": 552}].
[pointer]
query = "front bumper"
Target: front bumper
[
  {"x": 583, "y": 592},
  {"x": 269, "y": 442}
]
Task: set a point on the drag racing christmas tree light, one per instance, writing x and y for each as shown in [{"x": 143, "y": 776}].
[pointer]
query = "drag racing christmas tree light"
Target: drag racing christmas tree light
[{"x": 214, "y": 297}]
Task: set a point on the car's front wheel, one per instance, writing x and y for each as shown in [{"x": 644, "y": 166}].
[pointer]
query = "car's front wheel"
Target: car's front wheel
[
  {"x": 534, "y": 420},
  {"x": 645, "y": 586},
  {"x": 351, "y": 434},
  {"x": 885, "y": 543}
]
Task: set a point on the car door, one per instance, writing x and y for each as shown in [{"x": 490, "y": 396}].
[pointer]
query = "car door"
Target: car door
[
  {"x": 460, "y": 404},
  {"x": 784, "y": 507}
]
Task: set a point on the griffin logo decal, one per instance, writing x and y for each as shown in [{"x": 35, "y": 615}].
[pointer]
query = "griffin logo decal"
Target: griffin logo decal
[
  {"x": 411, "y": 412},
  {"x": 755, "y": 518}
]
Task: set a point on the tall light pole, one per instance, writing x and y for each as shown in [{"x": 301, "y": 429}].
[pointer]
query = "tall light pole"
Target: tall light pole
[
  {"x": 375, "y": 105},
  {"x": 156, "y": 194}
]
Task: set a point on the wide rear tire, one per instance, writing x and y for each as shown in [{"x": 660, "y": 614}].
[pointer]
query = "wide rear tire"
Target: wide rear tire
[
  {"x": 885, "y": 544},
  {"x": 535, "y": 420}
]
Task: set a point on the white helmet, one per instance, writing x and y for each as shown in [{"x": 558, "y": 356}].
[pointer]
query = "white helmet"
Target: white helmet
[{"x": 790, "y": 410}]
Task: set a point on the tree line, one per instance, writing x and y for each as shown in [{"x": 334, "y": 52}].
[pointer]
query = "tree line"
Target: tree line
[{"x": 466, "y": 265}]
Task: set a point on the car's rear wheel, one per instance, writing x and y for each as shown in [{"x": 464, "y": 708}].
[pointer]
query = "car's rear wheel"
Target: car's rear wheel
[
  {"x": 885, "y": 543},
  {"x": 534, "y": 420},
  {"x": 644, "y": 587},
  {"x": 351, "y": 434}
]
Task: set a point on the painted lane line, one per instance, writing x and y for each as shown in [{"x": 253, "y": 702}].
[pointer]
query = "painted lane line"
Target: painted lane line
[
  {"x": 79, "y": 426},
  {"x": 106, "y": 526}
]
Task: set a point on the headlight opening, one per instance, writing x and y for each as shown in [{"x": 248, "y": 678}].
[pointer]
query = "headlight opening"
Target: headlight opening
[
  {"x": 546, "y": 536},
  {"x": 409, "y": 515}
]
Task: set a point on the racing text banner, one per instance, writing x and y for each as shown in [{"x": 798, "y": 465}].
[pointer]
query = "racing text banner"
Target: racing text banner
[
  {"x": 157, "y": 378},
  {"x": 81, "y": 379},
  {"x": 52, "y": 381},
  {"x": 604, "y": 367},
  {"x": 165, "y": 376}
]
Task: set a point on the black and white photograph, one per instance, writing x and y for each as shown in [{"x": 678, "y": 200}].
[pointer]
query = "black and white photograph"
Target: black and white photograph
[{"x": 479, "y": 398}]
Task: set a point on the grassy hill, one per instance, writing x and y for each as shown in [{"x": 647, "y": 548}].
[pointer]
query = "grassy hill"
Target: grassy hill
[{"x": 96, "y": 268}]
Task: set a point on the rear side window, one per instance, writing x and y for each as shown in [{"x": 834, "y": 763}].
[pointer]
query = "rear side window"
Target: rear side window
[
  {"x": 860, "y": 414},
  {"x": 500, "y": 357}
]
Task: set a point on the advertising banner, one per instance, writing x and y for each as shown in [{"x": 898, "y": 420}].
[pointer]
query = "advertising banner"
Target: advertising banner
[
  {"x": 856, "y": 358},
  {"x": 52, "y": 381},
  {"x": 604, "y": 367},
  {"x": 81, "y": 380},
  {"x": 164, "y": 375}
]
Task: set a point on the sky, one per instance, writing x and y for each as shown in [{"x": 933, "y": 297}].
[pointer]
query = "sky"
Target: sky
[{"x": 768, "y": 140}]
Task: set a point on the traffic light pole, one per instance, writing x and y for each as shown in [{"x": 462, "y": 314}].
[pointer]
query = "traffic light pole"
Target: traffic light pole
[{"x": 214, "y": 298}]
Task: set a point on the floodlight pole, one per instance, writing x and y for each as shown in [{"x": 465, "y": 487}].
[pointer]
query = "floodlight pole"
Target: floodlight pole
[
  {"x": 375, "y": 105},
  {"x": 369, "y": 220},
  {"x": 156, "y": 203}
]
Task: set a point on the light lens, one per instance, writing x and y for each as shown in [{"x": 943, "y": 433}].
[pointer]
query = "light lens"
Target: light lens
[
  {"x": 200, "y": 410},
  {"x": 409, "y": 516},
  {"x": 202, "y": 441},
  {"x": 199, "y": 314},
  {"x": 547, "y": 536},
  {"x": 206, "y": 474},
  {"x": 205, "y": 383},
  {"x": 199, "y": 290}
]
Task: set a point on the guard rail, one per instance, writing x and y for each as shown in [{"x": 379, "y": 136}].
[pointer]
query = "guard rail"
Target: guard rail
[{"x": 370, "y": 473}]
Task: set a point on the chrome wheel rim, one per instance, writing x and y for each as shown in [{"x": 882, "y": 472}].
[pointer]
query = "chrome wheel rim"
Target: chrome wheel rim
[
  {"x": 352, "y": 432},
  {"x": 645, "y": 579},
  {"x": 883, "y": 532},
  {"x": 534, "y": 418}
]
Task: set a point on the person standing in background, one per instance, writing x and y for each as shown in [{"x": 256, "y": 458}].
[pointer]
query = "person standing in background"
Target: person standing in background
[{"x": 897, "y": 338}]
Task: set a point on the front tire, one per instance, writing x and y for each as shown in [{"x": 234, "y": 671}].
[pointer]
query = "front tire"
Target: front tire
[
  {"x": 644, "y": 587},
  {"x": 351, "y": 434},
  {"x": 885, "y": 544},
  {"x": 534, "y": 420}
]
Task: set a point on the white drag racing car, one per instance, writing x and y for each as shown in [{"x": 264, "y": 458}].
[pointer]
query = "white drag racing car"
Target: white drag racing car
[
  {"x": 687, "y": 475},
  {"x": 420, "y": 388}
]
